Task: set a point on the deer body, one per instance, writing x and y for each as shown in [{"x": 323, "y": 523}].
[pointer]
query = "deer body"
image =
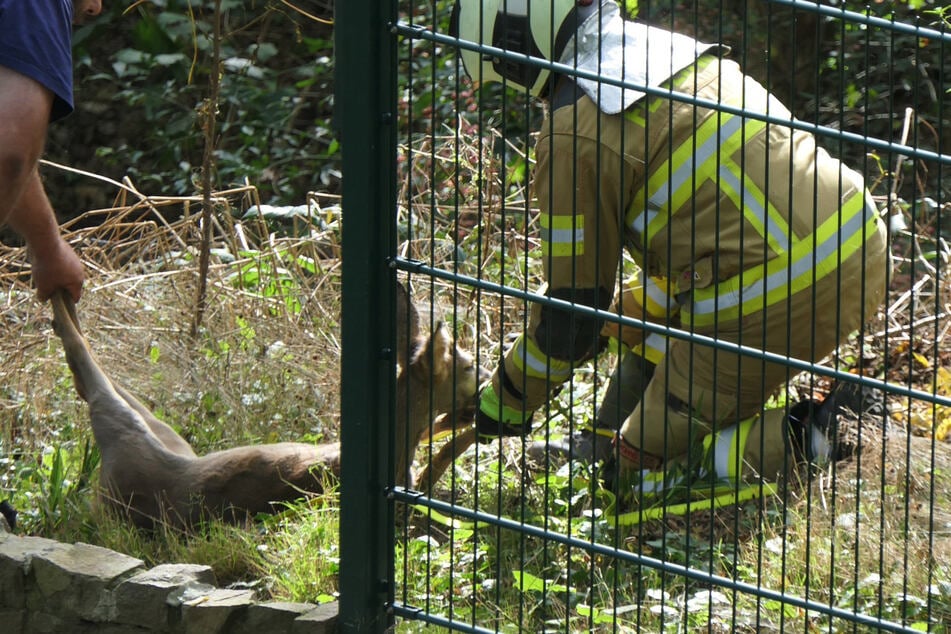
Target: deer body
[{"x": 151, "y": 472}]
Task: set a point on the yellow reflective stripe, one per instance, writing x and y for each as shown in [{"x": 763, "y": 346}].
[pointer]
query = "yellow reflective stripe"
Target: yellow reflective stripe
[
  {"x": 707, "y": 156},
  {"x": 653, "y": 348},
  {"x": 672, "y": 184},
  {"x": 562, "y": 235},
  {"x": 722, "y": 136},
  {"x": 766, "y": 284},
  {"x": 638, "y": 115},
  {"x": 763, "y": 216},
  {"x": 728, "y": 451},
  {"x": 654, "y": 482},
  {"x": 654, "y": 292},
  {"x": 658, "y": 296},
  {"x": 741, "y": 494},
  {"x": 530, "y": 360},
  {"x": 491, "y": 405}
]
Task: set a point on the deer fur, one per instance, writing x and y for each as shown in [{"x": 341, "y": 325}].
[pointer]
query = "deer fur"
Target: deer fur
[
  {"x": 436, "y": 378},
  {"x": 153, "y": 474}
]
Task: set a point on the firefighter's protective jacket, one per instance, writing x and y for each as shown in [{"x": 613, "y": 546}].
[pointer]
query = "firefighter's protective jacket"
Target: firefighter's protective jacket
[{"x": 764, "y": 238}]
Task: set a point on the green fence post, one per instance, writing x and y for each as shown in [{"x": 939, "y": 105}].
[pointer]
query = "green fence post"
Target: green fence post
[{"x": 365, "y": 89}]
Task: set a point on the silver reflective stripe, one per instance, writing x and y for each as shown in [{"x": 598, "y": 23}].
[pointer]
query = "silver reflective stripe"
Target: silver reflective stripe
[
  {"x": 653, "y": 482},
  {"x": 777, "y": 236},
  {"x": 723, "y": 455},
  {"x": 660, "y": 198},
  {"x": 656, "y": 294},
  {"x": 540, "y": 367},
  {"x": 562, "y": 236},
  {"x": 802, "y": 264},
  {"x": 643, "y": 220},
  {"x": 656, "y": 342}
]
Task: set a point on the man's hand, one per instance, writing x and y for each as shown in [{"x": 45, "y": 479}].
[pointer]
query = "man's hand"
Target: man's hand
[{"x": 57, "y": 267}]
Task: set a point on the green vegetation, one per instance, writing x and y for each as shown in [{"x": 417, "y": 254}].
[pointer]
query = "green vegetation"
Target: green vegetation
[{"x": 869, "y": 535}]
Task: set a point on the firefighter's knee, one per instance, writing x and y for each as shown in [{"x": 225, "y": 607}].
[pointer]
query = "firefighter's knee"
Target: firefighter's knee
[{"x": 567, "y": 335}]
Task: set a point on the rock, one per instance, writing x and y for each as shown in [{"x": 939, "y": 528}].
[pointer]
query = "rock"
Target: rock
[
  {"x": 143, "y": 599},
  {"x": 272, "y": 616},
  {"x": 14, "y": 621},
  {"x": 16, "y": 557},
  {"x": 77, "y": 580},
  {"x": 215, "y": 611},
  {"x": 320, "y": 620},
  {"x": 50, "y": 587}
]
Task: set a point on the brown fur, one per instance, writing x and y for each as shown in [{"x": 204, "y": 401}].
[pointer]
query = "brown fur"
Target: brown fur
[
  {"x": 441, "y": 378},
  {"x": 154, "y": 474}
]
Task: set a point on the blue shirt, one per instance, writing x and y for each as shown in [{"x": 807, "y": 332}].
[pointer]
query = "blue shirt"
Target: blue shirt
[{"x": 35, "y": 40}]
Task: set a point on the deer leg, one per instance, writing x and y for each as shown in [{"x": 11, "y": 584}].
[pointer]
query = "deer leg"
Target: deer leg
[
  {"x": 91, "y": 380},
  {"x": 169, "y": 437},
  {"x": 446, "y": 455}
]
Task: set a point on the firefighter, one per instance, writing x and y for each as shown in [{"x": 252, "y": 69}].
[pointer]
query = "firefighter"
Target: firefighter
[{"x": 764, "y": 239}]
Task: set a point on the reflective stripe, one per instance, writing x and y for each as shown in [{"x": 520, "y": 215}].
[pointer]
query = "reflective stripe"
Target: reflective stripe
[
  {"x": 530, "y": 360},
  {"x": 655, "y": 482},
  {"x": 562, "y": 235},
  {"x": 728, "y": 451},
  {"x": 707, "y": 156},
  {"x": 744, "y": 193},
  {"x": 636, "y": 114},
  {"x": 657, "y": 295},
  {"x": 659, "y": 302},
  {"x": 766, "y": 284},
  {"x": 654, "y": 293},
  {"x": 735, "y": 495},
  {"x": 491, "y": 405},
  {"x": 653, "y": 348}
]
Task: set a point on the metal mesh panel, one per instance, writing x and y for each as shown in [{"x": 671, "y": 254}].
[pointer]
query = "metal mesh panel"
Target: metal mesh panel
[{"x": 794, "y": 307}]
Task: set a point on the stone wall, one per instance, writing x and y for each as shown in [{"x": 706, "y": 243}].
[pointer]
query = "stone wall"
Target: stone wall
[{"x": 47, "y": 586}]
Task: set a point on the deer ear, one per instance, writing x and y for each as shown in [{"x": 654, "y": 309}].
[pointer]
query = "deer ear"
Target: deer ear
[
  {"x": 442, "y": 344},
  {"x": 442, "y": 350}
]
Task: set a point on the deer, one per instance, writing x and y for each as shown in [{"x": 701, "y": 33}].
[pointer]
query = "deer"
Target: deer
[{"x": 152, "y": 474}]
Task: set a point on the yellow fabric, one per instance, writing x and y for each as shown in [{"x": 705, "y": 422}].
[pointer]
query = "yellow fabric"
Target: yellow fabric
[
  {"x": 660, "y": 511},
  {"x": 562, "y": 235},
  {"x": 642, "y": 299},
  {"x": 491, "y": 405},
  {"x": 530, "y": 361}
]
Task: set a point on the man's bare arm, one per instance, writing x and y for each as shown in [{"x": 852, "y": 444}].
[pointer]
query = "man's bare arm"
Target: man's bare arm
[
  {"x": 24, "y": 113},
  {"x": 55, "y": 264}
]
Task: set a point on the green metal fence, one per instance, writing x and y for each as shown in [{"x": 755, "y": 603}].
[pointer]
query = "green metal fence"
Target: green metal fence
[{"x": 441, "y": 194}]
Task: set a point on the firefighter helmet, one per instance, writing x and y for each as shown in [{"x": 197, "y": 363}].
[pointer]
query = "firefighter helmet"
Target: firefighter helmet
[{"x": 540, "y": 28}]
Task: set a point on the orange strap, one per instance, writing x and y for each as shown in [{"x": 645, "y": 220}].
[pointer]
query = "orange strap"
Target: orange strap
[{"x": 635, "y": 456}]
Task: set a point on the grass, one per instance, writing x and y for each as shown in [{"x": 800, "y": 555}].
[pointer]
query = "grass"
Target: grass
[
  {"x": 845, "y": 549},
  {"x": 872, "y": 535}
]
